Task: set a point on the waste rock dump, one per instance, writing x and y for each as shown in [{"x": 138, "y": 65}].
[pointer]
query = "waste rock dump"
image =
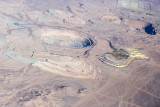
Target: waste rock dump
[{"x": 69, "y": 66}]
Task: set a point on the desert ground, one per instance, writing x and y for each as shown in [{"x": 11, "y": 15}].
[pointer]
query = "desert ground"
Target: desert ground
[{"x": 79, "y": 53}]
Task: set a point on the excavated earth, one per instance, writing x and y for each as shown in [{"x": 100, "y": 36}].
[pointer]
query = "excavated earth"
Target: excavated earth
[{"x": 78, "y": 53}]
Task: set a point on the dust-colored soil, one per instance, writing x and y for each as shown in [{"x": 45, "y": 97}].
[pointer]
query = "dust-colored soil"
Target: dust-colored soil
[{"x": 50, "y": 54}]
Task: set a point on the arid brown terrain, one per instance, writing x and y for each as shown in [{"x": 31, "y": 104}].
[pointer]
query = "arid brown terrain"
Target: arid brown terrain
[{"x": 79, "y": 53}]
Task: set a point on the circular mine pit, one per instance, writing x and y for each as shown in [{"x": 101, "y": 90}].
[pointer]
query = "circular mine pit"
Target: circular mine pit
[
  {"x": 121, "y": 58},
  {"x": 150, "y": 29},
  {"x": 66, "y": 38},
  {"x": 111, "y": 60}
]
